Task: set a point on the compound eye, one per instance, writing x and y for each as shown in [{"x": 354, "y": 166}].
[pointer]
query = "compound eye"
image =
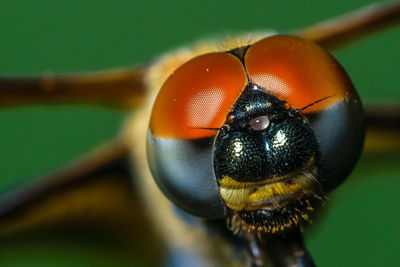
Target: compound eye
[
  {"x": 298, "y": 72},
  {"x": 259, "y": 123},
  {"x": 190, "y": 108},
  {"x": 198, "y": 95},
  {"x": 309, "y": 79}
]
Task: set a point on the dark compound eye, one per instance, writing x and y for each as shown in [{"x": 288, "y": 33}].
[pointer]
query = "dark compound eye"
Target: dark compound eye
[
  {"x": 259, "y": 123},
  {"x": 191, "y": 106}
]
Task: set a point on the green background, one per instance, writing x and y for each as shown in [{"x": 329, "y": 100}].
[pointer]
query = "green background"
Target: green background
[{"x": 361, "y": 224}]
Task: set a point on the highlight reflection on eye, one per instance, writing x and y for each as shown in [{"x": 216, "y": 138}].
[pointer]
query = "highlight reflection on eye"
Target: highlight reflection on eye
[
  {"x": 237, "y": 148},
  {"x": 259, "y": 123},
  {"x": 279, "y": 139}
]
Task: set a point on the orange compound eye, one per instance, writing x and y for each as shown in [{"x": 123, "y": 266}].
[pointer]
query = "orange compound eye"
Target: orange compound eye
[
  {"x": 199, "y": 94},
  {"x": 297, "y": 71}
]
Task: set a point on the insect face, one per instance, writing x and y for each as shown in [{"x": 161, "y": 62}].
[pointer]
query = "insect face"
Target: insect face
[
  {"x": 266, "y": 164},
  {"x": 249, "y": 134}
]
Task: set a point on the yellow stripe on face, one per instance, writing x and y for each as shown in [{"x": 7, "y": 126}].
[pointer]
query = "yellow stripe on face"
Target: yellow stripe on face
[
  {"x": 235, "y": 199},
  {"x": 268, "y": 195}
]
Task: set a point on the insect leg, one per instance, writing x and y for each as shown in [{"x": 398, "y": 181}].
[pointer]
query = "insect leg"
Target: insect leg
[
  {"x": 383, "y": 128},
  {"x": 339, "y": 31},
  {"x": 117, "y": 88}
]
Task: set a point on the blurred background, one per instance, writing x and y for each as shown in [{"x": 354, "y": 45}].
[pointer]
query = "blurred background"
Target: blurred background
[{"x": 360, "y": 225}]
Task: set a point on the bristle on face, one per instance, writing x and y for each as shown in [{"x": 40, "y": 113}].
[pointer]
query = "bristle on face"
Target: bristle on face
[{"x": 278, "y": 221}]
